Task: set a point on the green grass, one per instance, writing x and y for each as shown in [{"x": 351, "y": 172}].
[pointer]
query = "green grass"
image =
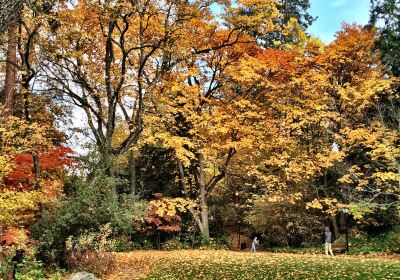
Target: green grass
[
  {"x": 386, "y": 242},
  {"x": 194, "y": 264}
]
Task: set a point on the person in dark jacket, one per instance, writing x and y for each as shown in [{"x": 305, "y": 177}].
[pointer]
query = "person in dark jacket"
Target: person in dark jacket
[{"x": 328, "y": 242}]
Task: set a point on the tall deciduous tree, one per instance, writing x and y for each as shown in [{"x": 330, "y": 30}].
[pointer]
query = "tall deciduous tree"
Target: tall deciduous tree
[
  {"x": 114, "y": 59},
  {"x": 109, "y": 58},
  {"x": 358, "y": 85}
]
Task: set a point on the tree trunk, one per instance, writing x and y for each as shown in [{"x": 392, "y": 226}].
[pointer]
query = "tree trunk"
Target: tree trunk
[
  {"x": 198, "y": 217},
  {"x": 203, "y": 200},
  {"x": 342, "y": 221},
  {"x": 132, "y": 161},
  {"x": 335, "y": 226},
  {"x": 11, "y": 69},
  {"x": 36, "y": 168}
]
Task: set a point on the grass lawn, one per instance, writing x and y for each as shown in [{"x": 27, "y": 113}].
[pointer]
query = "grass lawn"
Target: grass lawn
[{"x": 197, "y": 264}]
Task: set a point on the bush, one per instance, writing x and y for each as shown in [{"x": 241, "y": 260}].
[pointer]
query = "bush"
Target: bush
[
  {"x": 30, "y": 269},
  {"x": 147, "y": 245},
  {"x": 204, "y": 243},
  {"x": 175, "y": 244},
  {"x": 92, "y": 205},
  {"x": 93, "y": 241},
  {"x": 90, "y": 251},
  {"x": 388, "y": 241},
  {"x": 124, "y": 244},
  {"x": 6, "y": 266},
  {"x": 98, "y": 263}
]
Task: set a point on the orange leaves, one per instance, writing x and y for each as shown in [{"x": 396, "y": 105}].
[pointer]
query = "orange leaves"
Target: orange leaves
[
  {"x": 15, "y": 236},
  {"x": 354, "y": 69},
  {"x": 351, "y": 48},
  {"x": 23, "y": 172}
]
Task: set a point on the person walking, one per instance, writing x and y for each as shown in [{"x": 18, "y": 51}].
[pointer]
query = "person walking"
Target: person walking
[
  {"x": 254, "y": 244},
  {"x": 328, "y": 242}
]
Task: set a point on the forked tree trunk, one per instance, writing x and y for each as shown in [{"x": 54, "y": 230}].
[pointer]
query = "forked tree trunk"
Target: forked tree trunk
[{"x": 197, "y": 216}]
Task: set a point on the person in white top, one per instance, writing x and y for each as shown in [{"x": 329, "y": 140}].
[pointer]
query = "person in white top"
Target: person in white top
[{"x": 253, "y": 244}]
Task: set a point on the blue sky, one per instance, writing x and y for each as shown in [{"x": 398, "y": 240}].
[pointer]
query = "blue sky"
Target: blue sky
[{"x": 331, "y": 14}]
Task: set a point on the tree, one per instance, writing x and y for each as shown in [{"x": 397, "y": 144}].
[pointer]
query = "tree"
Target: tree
[
  {"x": 208, "y": 121},
  {"x": 367, "y": 177},
  {"x": 8, "y": 95},
  {"x": 289, "y": 86},
  {"x": 51, "y": 160},
  {"x": 20, "y": 98},
  {"x": 164, "y": 214},
  {"x": 113, "y": 59},
  {"x": 110, "y": 58},
  {"x": 289, "y": 11},
  {"x": 8, "y": 11},
  {"x": 20, "y": 196},
  {"x": 386, "y": 15}
]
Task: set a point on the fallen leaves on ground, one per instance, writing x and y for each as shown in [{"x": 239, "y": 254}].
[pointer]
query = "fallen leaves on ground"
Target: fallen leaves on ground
[{"x": 199, "y": 264}]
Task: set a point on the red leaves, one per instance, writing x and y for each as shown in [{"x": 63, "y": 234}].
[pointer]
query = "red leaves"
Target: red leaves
[
  {"x": 14, "y": 236},
  {"x": 23, "y": 172}
]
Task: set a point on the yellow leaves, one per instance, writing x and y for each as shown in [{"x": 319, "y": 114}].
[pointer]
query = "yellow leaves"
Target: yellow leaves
[
  {"x": 171, "y": 206},
  {"x": 295, "y": 33},
  {"x": 5, "y": 166},
  {"x": 386, "y": 178},
  {"x": 329, "y": 206},
  {"x": 261, "y": 18},
  {"x": 17, "y": 207},
  {"x": 181, "y": 145},
  {"x": 17, "y": 137},
  {"x": 358, "y": 211},
  {"x": 361, "y": 95},
  {"x": 20, "y": 136},
  {"x": 315, "y": 204},
  {"x": 292, "y": 198},
  {"x": 327, "y": 160}
]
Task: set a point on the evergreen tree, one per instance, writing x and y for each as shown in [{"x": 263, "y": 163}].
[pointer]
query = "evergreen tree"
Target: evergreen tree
[{"x": 387, "y": 13}]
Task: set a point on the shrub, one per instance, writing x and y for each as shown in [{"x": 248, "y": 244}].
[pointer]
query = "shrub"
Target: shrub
[
  {"x": 30, "y": 269},
  {"x": 175, "y": 244},
  {"x": 93, "y": 241},
  {"x": 92, "y": 205},
  {"x": 124, "y": 244},
  {"x": 91, "y": 250},
  {"x": 204, "y": 243},
  {"x": 6, "y": 266},
  {"x": 388, "y": 241},
  {"x": 99, "y": 263},
  {"x": 147, "y": 245}
]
